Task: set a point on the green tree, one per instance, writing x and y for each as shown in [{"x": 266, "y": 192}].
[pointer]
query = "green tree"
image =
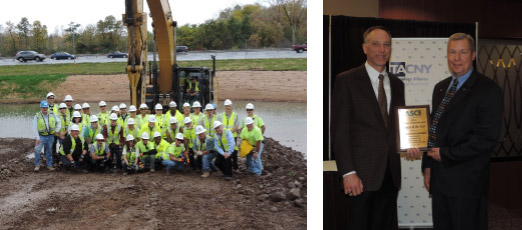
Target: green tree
[
  {"x": 39, "y": 36},
  {"x": 24, "y": 28}
]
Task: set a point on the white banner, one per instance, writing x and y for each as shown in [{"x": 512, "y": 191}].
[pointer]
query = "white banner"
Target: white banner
[{"x": 420, "y": 63}]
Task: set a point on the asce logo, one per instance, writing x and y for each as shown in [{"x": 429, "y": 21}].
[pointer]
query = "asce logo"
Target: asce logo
[{"x": 400, "y": 68}]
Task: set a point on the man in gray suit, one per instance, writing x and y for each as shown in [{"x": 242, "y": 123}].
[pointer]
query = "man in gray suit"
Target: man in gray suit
[{"x": 363, "y": 135}]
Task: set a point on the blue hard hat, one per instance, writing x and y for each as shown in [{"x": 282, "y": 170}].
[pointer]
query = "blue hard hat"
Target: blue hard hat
[
  {"x": 44, "y": 104},
  {"x": 215, "y": 106}
]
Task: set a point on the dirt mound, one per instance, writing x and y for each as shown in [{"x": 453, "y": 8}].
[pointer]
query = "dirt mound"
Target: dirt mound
[{"x": 59, "y": 200}]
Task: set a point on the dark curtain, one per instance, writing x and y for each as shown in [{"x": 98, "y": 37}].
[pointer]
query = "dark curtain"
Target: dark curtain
[{"x": 346, "y": 43}]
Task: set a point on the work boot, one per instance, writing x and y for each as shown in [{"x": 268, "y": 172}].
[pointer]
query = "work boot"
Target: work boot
[
  {"x": 50, "y": 168},
  {"x": 205, "y": 174},
  {"x": 37, "y": 168}
]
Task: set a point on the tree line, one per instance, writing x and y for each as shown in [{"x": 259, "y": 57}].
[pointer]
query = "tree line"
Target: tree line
[{"x": 281, "y": 24}]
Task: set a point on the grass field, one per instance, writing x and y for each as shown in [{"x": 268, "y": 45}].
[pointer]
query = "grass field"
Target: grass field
[{"x": 28, "y": 81}]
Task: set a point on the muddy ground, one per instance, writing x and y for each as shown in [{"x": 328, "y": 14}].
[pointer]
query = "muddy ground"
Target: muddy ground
[{"x": 59, "y": 200}]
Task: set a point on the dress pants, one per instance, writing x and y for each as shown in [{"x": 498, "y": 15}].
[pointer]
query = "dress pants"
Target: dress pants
[
  {"x": 374, "y": 210},
  {"x": 459, "y": 213}
]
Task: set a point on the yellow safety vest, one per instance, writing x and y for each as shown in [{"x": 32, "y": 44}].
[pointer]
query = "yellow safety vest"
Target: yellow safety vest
[
  {"x": 73, "y": 146},
  {"x": 173, "y": 148},
  {"x": 113, "y": 135},
  {"x": 190, "y": 134},
  {"x": 66, "y": 120},
  {"x": 92, "y": 134},
  {"x": 208, "y": 126},
  {"x": 42, "y": 128},
  {"x": 130, "y": 155},
  {"x": 229, "y": 123},
  {"x": 100, "y": 151}
]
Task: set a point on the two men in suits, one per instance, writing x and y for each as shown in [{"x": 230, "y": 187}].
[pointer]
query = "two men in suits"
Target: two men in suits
[
  {"x": 363, "y": 135},
  {"x": 466, "y": 122}
]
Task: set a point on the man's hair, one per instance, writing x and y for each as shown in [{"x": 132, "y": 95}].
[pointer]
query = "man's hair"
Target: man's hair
[
  {"x": 462, "y": 36},
  {"x": 369, "y": 30}
]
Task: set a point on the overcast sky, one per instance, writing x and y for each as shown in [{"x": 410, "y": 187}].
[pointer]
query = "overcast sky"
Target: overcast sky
[{"x": 58, "y": 13}]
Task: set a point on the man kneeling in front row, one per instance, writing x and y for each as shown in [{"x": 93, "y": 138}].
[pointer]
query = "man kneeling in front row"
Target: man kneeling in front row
[
  {"x": 100, "y": 154},
  {"x": 74, "y": 150}
]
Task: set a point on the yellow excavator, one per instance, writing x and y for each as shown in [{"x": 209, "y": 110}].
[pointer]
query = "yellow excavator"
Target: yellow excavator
[{"x": 169, "y": 81}]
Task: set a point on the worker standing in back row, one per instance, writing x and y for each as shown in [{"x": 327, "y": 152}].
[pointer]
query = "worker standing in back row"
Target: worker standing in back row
[
  {"x": 231, "y": 122},
  {"x": 45, "y": 124}
]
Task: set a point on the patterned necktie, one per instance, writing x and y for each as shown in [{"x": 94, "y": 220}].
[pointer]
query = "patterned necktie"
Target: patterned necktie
[
  {"x": 438, "y": 113},
  {"x": 381, "y": 98}
]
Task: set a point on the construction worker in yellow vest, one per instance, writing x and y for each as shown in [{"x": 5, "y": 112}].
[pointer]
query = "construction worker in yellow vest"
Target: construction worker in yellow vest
[
  {"x": 231, "y": 122},
  {"x": 197, "y": 115},
  {"x": 189, "y": 134},
  {"x": 173, "y": 129},
  {"x": 257, "y": 120},
  {"x": 147, "y": 152},
  {"x": 224, "y": 144},
  {"x": 160, "y": 145},
  {"x": 173, "y": 111},
  {"x": 114, "y": 134},
  {"x": 204, "y": 150},
  {"x": 103, "y": 116},
  {"x": 65, "y": 120},
  {"x": 100, "y": 154},
  {"x": 76, "y": 120},
  {"x": 253, "y": 135},
  {"x": 74, "y": 150},
  {"x": 208, "y": 120},
  {"x": 53, "y": 108},
  {"x": 123, "y": 115},
  {"x": 193, "y": 89},
  {"x": 92, "y": 130},
  {"x": 186, "y": 111},
  {"x": 134, "y": 116},
  {"x": 86, "y": 114},
  {"x": 45, "y": 124},
  {"x": 161, "y": 120},
  {"x": 173, "y": 157},
  {"x": 143, "y": 118},
  {"x": 151, "y": 127},
  {"x": 130, "y": 156},
  {"x": 132, "y": 129},
  {"x": 68, "y": 101}
]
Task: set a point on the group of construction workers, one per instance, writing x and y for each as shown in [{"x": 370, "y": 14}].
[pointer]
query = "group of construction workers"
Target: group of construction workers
[{"x": 123, "y": 139}]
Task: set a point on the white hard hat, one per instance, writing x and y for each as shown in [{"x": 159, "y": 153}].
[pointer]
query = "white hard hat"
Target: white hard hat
[
  {"x": 249, "y": 121},
  {"x": 114, "y": 116},
  {"x": 157, "y": 134},
  {"x": 186, "y": 104},
  {"x": 187, "y": 120},
  {"x": 123, "y": 106},
  {"x": 179, "y": 136},
  {"x": 77, "y": 107},
  {"x": 172, "y": 104},
  {"x": 99, "y": 136},
  {"x": 130, "y": 137},
  {"x": 158, "y": 107},
  {"x": 217, "y": 124},
  {"x": 249, "y": 106},
  {"x": 200, "y": 129},
  {"x": 62, "y": 106},
  {"x": 228, "y": 102},
  {"x": 75, "y": 127},
  {"x": 102, "y": 103},
  {"x": 130, "y": 121},
  {"x": 196, "y": 104},
  {"x": 76, "y": 114},
  {"x": 50, "y": 94},
  {"x": 94, "y": 118},
  {"x": 68, "y": 98},
  {"x": 209, "y": 107},
  {"x": 145, "y": 136},
  {"x": 143, "y": 106},
  {"x": 152, "y": 118},
  {"x": 132, "y": 108},
  {"x": 85, "y": 105},
  {"x": 115, "y": 108},
  {"x": 173, "y": 120}
]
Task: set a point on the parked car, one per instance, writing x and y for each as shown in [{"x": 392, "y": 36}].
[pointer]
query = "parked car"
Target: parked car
[
  {"x": 62, "y": 55},
  {"x": 24, "y": 56},
  {"x": 117, "y": 54},
  {"x": 299, "y": 48},
  {"x": 182, "y": 49}
]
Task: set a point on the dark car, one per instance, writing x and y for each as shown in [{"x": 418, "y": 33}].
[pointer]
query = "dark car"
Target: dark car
[
  {"x": 117, "y": 54},
  {"x": 182, "y": 49},
  {"x": 24, "y": 56},
  {"x": 299, "y": 48},
  {"x": 62, "y": 55}
]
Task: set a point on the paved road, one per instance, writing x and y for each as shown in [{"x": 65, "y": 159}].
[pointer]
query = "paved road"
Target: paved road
[{"x": 190, "y": 56}]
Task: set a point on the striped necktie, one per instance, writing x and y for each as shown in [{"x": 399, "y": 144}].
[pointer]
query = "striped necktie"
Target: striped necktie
[
  {"x": 381, "y": 99},
  {"x": 432, "y": 141}
]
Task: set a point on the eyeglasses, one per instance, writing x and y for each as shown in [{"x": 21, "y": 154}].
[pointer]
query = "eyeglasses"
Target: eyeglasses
[
  {"x": 248, "y": 110},
  {"x": 99, "y": 140},
  {"x": 52, "y": 98},
  {"x": 44, "y": 107}
]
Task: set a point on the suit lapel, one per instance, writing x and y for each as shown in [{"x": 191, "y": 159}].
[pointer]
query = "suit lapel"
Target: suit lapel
[{"x": 368, "y": 93}]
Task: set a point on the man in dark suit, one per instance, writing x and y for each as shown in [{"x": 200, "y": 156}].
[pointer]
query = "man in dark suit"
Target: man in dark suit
[
  {"x": 466, "y": 121},
  {"x": 363, "y": 135}
]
